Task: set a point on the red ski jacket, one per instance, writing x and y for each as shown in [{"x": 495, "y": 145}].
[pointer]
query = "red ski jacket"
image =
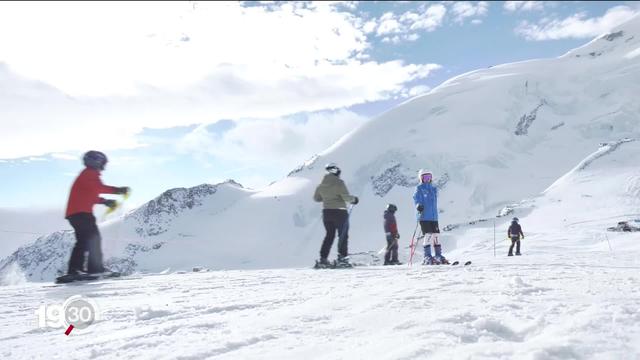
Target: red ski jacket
[{"x": 86, "y": 191}]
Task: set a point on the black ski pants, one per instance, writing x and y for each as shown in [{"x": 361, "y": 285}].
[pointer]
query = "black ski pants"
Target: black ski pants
[
  {"x": 392, "y": 249},
  {"x": 515, "y": 241},
  {"x": 335, "y": 220},
  {"x": 88, "y": 240}
]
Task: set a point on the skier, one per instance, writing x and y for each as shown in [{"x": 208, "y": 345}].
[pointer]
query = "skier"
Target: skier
[
  {"x": 391, "y": 232},
  {"x": 426, "y": 200},
  {"x": 515, "y": 234},
  {"x": 84, "y": 194},
  {"x": 333, "y": 194}
]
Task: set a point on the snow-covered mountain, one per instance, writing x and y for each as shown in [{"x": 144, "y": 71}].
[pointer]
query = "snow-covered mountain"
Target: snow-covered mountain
[{"x": 494, "y": 138}]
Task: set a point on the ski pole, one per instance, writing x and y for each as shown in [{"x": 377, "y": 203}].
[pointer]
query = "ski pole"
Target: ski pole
[
  {"x": 494, "y": 237},
  {"x": 341, "y": 234},
  {"x": 118, "y": 206},
  {"x": 413, "y": 245}
]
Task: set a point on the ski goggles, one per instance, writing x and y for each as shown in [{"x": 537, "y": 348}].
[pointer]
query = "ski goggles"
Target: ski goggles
[{"x": 426, "y": 178}]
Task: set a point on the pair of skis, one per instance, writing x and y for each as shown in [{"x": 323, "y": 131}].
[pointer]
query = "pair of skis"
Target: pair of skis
[
  {"x": 414, "y": 244},
  {"x": 69, "y": 278},
  {"x": 458, "y": 263},
  {"x": 333, "y": 265}
]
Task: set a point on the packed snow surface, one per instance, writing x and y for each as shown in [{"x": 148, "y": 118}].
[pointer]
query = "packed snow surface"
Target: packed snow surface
[{"x": 537, "y": 306}]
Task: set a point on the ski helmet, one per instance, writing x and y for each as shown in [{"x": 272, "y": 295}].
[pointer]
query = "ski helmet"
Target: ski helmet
[
  {"x": 422, "y": 178},
  {"x": 392, "y": 208},
  {"x": 515, "y": 219},
  {"x": 95, "y": 160},
  {"x": 333, "y": 169}
]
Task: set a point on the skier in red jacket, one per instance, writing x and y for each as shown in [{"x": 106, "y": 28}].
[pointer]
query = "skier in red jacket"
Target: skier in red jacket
[{"x": 85, "y": 193}]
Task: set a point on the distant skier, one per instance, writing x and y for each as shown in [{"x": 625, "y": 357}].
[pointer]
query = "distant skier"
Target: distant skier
[
  {"x": 515, "y": 234},
  {"x": 426, "y": 200},
  {"x": 333, "y": 194},
  {"x": 391, "y": 232},
  {"x": 84, "y": 194}
]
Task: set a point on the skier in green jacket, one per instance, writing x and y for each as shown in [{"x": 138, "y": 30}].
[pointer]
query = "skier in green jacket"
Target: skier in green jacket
[{"x": 334, "y": 195}]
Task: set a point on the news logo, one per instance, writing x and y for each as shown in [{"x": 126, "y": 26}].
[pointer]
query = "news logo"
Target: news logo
[{"x": 77, "y": 312}]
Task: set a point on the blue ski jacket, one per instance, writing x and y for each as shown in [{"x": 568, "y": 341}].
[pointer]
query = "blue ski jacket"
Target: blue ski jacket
[{"x": 427, "y": 195}]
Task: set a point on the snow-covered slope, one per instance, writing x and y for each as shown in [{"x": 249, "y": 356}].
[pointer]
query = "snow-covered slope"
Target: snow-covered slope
[
  {"x": 531, "y": 307},
  {"x": 573, "y": 214},
  {"x": 493, "y": 138}
]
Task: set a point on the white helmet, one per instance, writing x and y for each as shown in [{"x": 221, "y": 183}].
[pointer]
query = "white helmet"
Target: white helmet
[
  {"x": 332, "y": 168},
  {"x": 423, "y": 172}
]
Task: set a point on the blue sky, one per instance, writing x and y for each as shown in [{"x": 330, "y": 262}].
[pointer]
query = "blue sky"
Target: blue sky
[{"x": 180, "y": 94}]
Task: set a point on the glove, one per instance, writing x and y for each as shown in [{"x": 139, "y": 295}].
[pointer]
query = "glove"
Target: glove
[
  {"x": 397, "y": 236},
  {"x": 123, "y": 190},
  {"x": 355, "y": 200},
  {"x": 111, "y": 204},
  {"x": 420, "y": 208}
]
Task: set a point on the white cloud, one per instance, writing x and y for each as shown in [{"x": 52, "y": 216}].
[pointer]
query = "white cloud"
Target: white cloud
[
  {"x": 369, "y": 26},
  {"x": 476, "y": 21},
  {"x": 388, "y": 25},
  {"x": 418, "y": 90},
  {"x": 463, "y": 10},
  {"x": 577, "y": 26},
  {"x": 63, "y": 156},
  {"x": 70, "y": 80},
  {"x": 282, "y": 141},
  {"x": 396, "y": 29},
  {"x": 412, "y": 37},
  {"x": 396, "y": 39},
  {"x": 87, "y": 55},
  {"x": 429, "y": 20},
  {"x": 513, "y": 6},
  {"x": 43, "y": 120},
  {"x": 33, "y": 159}
]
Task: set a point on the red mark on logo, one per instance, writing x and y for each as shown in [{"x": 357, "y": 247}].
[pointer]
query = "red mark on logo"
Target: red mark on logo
[{"x": 68, "y": 330}]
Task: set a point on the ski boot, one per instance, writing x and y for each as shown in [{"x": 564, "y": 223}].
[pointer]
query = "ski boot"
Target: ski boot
[
  {"x": 343, "y": 262},
  {"x": 387, "y": 259},
  {"x": 518, "y": 254},
  {"x": 395, "y": 262},
  {"x": 104, "y": 272},
  {"x": 441, "y": 259},
  {"x": 323, "y": 263},
  {"x": 430, "y": 260},
  {"x": 76, "y": 272}
]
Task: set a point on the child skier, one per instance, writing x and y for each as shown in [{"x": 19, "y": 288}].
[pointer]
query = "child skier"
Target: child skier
[
  {"x": 84, "y": 194},
  {"x": 515, "y": 234},
  {"x": 391, "y": 232},
  {"x": 426, "y": 200}
]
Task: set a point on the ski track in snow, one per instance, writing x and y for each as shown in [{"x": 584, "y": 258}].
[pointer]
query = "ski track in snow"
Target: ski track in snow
[{"x": 529, "y": 307}]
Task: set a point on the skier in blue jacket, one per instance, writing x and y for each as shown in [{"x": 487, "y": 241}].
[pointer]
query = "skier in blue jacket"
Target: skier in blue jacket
[{"x": 426, "y": 201}]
